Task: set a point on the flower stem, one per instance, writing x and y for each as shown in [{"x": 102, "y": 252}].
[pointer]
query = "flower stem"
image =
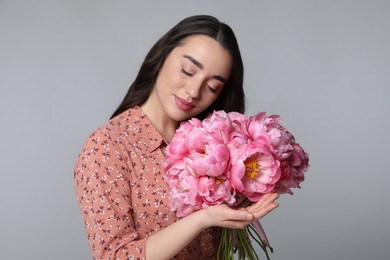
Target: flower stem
[{"x": 238, "y": 241}]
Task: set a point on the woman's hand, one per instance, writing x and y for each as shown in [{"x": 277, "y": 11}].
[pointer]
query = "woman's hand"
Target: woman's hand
[
  {"x": 225, "y": 216},
  {"x": 160, "y": 246},
  {"x": 265, "y": 205}
]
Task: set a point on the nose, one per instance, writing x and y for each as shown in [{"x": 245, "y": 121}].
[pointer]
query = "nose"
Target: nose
[{"x": 193, "y": 90}]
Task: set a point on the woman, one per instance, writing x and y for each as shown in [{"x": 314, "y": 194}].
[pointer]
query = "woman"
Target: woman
[{"x": 193, "y": 69}]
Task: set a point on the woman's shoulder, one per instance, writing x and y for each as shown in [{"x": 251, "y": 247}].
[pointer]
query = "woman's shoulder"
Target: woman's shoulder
[
  {"x": 111, "y": 138},
  {"x": 117, "y": 127},
  {"x": 132, "y": 127}
]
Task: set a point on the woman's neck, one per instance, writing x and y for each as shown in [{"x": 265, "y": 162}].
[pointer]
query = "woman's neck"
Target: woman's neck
[{"x": 164, "y": 124}]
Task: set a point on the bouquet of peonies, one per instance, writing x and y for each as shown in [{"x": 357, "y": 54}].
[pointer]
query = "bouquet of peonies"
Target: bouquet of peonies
[{"x": 228, "y": 158}]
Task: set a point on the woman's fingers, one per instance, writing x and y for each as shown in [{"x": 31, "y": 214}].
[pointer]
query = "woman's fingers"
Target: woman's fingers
[
  {"x": 264, "y": 200},
  {"x": 225, "y": 216},
  {"x": 240, "y": 214},
  {"x": 264, "y": 205}
]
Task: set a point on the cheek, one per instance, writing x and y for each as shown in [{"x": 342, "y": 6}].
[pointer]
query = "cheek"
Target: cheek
[
  {"x": 208, "y": 99},
  {"x": 173, "y": 79},
  {"x": 166, "y": 81},
  {"x": 176, "y": 81}
]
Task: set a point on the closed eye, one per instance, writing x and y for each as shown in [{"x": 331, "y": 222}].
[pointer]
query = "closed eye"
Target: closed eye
[
  {"x": 212, "y": 90},
  {"x": 186, "y": 72}
]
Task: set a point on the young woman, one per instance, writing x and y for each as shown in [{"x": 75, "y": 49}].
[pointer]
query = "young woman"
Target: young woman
[{"x": 193, "y": 69}]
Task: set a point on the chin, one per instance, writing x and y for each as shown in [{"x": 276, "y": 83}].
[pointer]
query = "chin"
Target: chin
[{"x": 180, "y": 115}]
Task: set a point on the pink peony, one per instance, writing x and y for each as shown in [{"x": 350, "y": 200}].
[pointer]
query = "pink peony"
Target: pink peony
[
  {"x": 181, "y": 145},
  {"x": 267, "y": 130},
  {"x": 177, "y": 150},
  {"x": 237, "y": 120},
  {"x": 184, "y": 194},
  {"x": 218, "y": 121},
  {"x": 218, "y": 126},
  {"x": 293, "y": 169},
  {"x": 215, "y": 191},
  {"x": 212, "y": 160},
  {"x": 255, "y": 172}
]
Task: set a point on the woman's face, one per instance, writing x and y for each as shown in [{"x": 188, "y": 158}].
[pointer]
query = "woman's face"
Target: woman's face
[{"x": 191, "y": 78}]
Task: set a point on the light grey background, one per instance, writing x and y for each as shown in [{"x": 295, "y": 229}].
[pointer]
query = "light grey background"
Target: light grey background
[{"x": 322, "y": 65}]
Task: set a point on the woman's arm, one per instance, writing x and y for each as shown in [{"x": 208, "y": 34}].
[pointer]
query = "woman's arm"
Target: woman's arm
[{"x": 168, "y": 242}]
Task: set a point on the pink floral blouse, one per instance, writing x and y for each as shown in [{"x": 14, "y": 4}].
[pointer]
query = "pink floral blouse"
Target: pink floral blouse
[{"x": 121, "y": 193}]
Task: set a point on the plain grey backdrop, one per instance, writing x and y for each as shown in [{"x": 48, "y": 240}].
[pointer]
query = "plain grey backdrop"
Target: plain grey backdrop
[{"x": 322, "y": 65}]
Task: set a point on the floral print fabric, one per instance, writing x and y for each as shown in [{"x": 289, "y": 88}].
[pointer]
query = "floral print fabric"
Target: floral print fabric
[{"x": 121, "y": 193}]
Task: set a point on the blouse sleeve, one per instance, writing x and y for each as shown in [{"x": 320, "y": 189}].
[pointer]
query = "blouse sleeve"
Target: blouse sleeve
[{"x": 103, "y": 194}]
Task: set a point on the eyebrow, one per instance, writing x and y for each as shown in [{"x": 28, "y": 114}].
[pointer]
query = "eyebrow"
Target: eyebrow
[{"x": 200, "y": 66}]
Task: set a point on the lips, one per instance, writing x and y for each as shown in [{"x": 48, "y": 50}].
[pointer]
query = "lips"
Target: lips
[{"x": 183, "y": 104}]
